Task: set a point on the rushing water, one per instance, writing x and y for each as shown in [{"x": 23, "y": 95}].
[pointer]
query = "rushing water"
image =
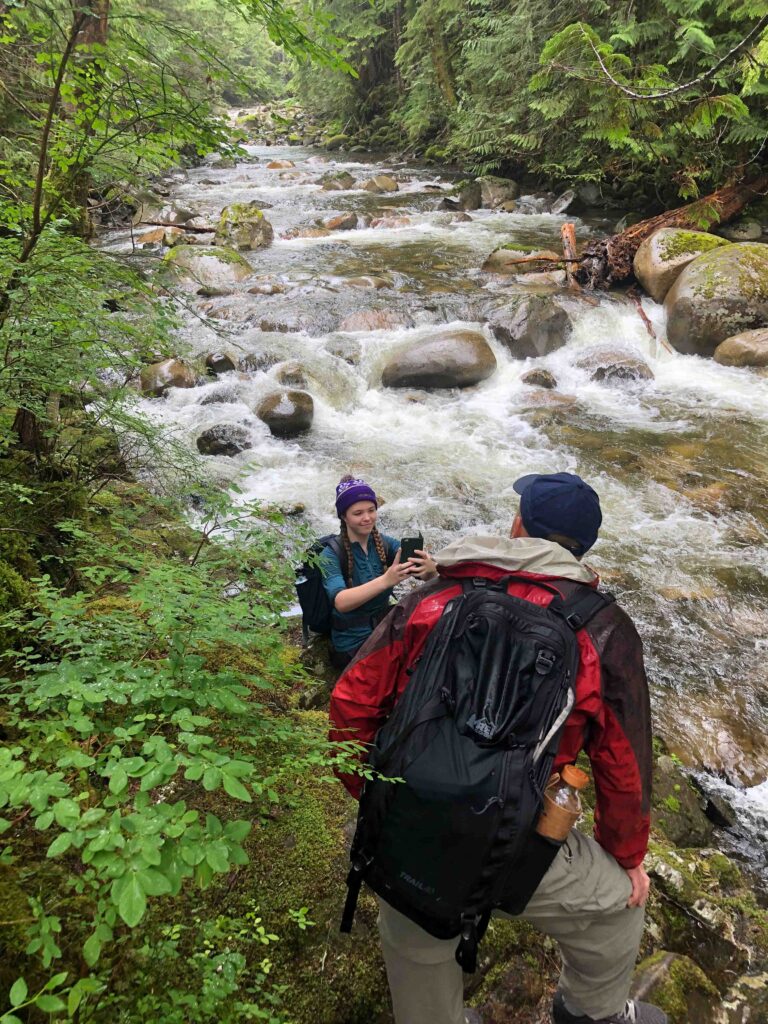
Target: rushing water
[{"x": 679, "y": 461}]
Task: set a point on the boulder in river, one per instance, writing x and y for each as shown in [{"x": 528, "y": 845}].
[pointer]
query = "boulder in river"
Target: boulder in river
[
  {"x": 663, "y": 256},
  {"x": 611, "y": 365},
  {"x": 494, "y": 190},
  {"x": 219, "y": 362},
  {"x": 280, "y": 165},
  {"x": 539, "y": 378},
  {"x": 292, "y": 374},
  {"x": 718, "y": 295},
  {"x": 375, "y": 320},
  {"x": 243, "y": 226},
  {"x": 390, "y": 222},
  {"x": 745, "y": 230},
  {"x": 223, "y": 439},
  {"x": 154, "y": 209},
  {"x": 749, "y": 348},
  {"x": 341, "y": 222},
  {"x": 157, "y": 378},
  {"x": 337, "y": 181},
  {"x": 452, "y": 359},
  {"x": 531, "y": 325},
  {"x": 519, "y": 261},
  {"x": 381, "y": 183},
  {"x": 287, "y": 413},
  {"x": 214, "y": 270}
]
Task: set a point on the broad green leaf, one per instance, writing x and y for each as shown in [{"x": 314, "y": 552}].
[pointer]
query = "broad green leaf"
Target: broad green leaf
[
  {"x": 60, "y": 845},
  {"x": 133, "y": 901},
  {"x": 236, "y": 789},
  {"x": 18, "y": 992}
]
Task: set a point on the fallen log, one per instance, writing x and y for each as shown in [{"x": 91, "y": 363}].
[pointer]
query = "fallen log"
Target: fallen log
[{"x": 609, "y": 261}]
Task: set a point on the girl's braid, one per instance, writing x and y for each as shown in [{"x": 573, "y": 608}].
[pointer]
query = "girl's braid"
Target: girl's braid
[
  {"x": 348, "y": 551},
  {"x": 381, "y": 550}
]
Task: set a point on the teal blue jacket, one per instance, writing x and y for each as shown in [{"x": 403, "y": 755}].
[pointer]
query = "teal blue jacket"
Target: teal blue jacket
[{"x": 367, "y": 566}]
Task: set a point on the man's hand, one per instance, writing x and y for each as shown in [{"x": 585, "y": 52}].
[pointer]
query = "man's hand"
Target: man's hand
[{"x": 641, "y": 883}]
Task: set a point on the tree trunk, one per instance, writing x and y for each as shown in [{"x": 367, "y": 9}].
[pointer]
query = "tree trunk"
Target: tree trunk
[{"x": 609, "y": 261}]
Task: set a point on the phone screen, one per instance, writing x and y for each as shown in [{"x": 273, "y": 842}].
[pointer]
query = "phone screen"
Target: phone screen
[{"x": 409, "y": 546}]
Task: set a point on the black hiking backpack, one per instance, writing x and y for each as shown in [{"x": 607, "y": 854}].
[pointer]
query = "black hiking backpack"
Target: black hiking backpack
[
  {"x": 469, "y": 749},
  {"x": 317, "y": 613}
]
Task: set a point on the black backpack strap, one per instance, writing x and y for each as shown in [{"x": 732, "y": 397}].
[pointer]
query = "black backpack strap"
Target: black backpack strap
[{"x": 580, "y": 607}]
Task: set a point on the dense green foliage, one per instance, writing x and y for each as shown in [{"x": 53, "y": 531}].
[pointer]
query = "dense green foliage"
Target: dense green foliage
[{"x": 560, "y": 89}]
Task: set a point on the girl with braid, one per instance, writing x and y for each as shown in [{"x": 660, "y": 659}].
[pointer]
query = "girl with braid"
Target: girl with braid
[{"x": 359, "y": 583}]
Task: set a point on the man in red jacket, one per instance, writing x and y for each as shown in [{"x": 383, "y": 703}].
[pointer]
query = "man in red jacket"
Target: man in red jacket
[{"x": 591, "y": 899}]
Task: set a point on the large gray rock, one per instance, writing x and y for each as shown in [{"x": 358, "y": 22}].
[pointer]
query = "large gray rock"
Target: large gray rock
[
  {"x": 223, "y": 439},
  {"x": 157, "y": 378},
  {"x": 663, "y": 256},
  {"x": 243, "y": 226},
  {"x": 337, "y": 181},
  {"x": 494, "y": 190},
  {"x": 519, "y": 261},
  {"x": 746, "y": 230},
  {"x": 381, "y": 183},
  {"x": 154, "y": 209},
  {"x": 213, "y": 270},
  {"x": 719, "y": 294},
  {"x": 531, "y": 325},
  {"x": 610, "y": 365},
  {"x": 749, "y": 348},
  {"x": 454, "y": 359},
  {"x": 287, "y": 413}
]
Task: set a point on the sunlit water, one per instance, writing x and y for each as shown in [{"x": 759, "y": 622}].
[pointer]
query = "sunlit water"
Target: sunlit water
[{"x": 679, "y": 461}]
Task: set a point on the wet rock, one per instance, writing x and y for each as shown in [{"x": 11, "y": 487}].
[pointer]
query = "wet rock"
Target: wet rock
[
  {"x": 307, "y": 233},
  {"x": 381, "y": 183},
  {"x": 461, "y": 218},
  {"x": 342, "y": 222},
  {"x": 153, "y": 209},
  {"x": 614, "y": 365},
  {"x": 223, "y": 395},
  {"x": 243, "y": 226},
  {"x": 453, "y": 359},
  {"x": 212, "y": 270},
  {"x": 677, "y": 806},
  {"x": 336, "y": 141},
  {"x": 470, "y": 196},
  {"x": 337, "y": 181},
  {"x": 155, "y": 237},
  {"x": 749, "y": 348},
  {"x": 718, "y": 295},
  {"x": 366, "y": 281},
  {"x": 539, "y": 378},
  {"x": 509, "y": 206},
  {"x": 663, "y": 256},
  {"x": 292, "y": 374},
  {"x": 390, "y": 222},
  {"x": 201, "y": 224},
  {"x": 347, "y": 349},
  {"x": 561, "y": 204},
  {"x": 223, "y": 439},
  {"x": 287, "y": 413},
  {"x": 157, "y": 378},
  {"x": 494, "y": 190},
  {"x": 531, "y": 325},
  {"x": 219, "y": 362},
  {"x": 375, "y": 320},
  {"x": 721, "y": 811},
  {"x": 745, "y": 230},
  {"x": 280, "y": 165},
  {"x": 678, "y": 985},
  {"x": 519, "y": 261},
  {"x": 546, "y": 404}
]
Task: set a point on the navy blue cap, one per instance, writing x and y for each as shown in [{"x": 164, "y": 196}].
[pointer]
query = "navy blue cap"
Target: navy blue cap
[{"x": 560, "y": 505}]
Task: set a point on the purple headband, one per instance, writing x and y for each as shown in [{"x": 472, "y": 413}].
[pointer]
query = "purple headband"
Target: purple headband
[{"x": 350, "y": 491}]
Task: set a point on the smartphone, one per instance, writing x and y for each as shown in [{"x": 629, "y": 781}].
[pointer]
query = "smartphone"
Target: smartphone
[{"x": 409, "y": 546}]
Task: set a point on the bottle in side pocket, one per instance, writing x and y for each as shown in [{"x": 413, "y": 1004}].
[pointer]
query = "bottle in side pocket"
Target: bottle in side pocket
[{"x": 562, "y": 803}]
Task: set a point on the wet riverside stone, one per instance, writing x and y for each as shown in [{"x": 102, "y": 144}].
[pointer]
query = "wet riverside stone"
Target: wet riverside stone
[
  {"x": 158, "y": 378},
  {"x": 243, "y": 226},
  {"x": 287, "y": 413},
  {"x": 539, "y": 378},
  {"x": 614, "y": 365},
  {"x": 223, "y": 439},
  {"x": 531, "y": 325},
  {"x": 453, "y": 359},
  {"x": 213, "y": 270},
  {"x": 749, "y": 348},
  {"x": 375, "y": 320}
]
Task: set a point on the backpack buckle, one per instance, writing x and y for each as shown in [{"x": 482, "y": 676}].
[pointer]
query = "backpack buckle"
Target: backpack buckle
[
  {"x": 480, "y": 582},
  {"x": 574, "y": 620},
  {"x": 544, "y": 661}
]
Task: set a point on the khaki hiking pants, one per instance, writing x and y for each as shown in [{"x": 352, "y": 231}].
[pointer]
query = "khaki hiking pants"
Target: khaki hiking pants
[{"x": 581, "y": 902}]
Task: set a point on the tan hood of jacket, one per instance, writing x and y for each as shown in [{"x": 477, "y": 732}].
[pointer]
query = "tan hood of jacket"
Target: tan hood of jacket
[{"x": 521, "y": 554}]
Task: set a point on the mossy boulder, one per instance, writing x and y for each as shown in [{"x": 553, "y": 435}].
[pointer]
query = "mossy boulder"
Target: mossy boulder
[
  {"x": 381, "y": 183},
  {"x": 287, "y": 413},
  {"x": 719, "y": 294},
  {"x": 519, "y": 261},
  {"x": 749, "y": 348},
  {"x": 243, "y": 226},
  {"x": 677, "y": 805},
  {"x": 210, "y": 270},
  {"x": 337, "y": 181},
  {"x": 495, "y": 190},
  {"x": 679, "y": 987},
  {"x": 336, "y": 141},
  {"x": 663, "y": 256},
  {"x": 452, "y": 359}
]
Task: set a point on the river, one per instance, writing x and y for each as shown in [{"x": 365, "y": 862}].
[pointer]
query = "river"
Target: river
[{"x": 679, "y": 461}]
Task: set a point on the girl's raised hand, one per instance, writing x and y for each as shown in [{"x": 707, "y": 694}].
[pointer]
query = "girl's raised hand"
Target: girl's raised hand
[
  {"x": 425, "y": 568},
  {"x": 398, "y": 571}
]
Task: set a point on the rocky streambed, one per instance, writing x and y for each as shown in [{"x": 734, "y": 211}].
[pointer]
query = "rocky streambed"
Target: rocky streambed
[{"x": 347, "y": 314}]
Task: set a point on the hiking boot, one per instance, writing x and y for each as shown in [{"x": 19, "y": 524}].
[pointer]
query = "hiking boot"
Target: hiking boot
[{"x": 634, "y": 1012}]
